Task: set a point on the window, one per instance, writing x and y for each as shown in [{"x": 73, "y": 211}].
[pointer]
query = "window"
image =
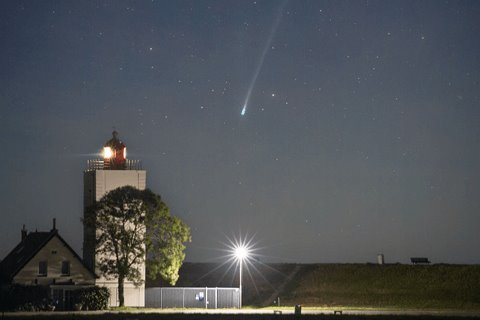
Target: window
[
  {"x": 65, "y": 268},
  {"x": 42, "y": 268}
]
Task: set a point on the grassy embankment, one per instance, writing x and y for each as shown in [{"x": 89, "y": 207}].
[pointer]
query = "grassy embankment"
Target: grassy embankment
[
  {"x": 388, "y": 286},
  {"x": 393, "y": 286}
]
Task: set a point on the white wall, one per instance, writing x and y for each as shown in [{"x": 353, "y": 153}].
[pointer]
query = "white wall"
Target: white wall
[
  {"x": 96, "y": 184},
  {"x": 54, "y": 252},
  {"x": 134, "y": 296},
  {"x": 108, "y": 180}
]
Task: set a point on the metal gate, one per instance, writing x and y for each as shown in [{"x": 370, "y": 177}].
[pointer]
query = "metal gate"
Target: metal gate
[{"x": 209, "y": 298}]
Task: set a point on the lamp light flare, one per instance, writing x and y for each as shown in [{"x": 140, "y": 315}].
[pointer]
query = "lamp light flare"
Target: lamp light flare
[
  {"x": 244, "y": 110},
  {"x": 241, "y": 252},
  {"x": 107, "y": 152}
]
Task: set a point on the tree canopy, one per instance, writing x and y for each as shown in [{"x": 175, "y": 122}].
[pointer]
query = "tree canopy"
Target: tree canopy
[{"x": 133, "y": 227}]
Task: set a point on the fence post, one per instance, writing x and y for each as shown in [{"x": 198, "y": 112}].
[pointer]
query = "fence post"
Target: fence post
[
  {"x": 161, "y": 298},
  {"x": 206, "y": 297},
  {"x": 216, "y": 297},
  {"x": 183, "y": 299}
]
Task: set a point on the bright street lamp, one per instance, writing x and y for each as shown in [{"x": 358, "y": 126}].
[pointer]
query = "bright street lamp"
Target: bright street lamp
[{"x": 241, "y": 253}]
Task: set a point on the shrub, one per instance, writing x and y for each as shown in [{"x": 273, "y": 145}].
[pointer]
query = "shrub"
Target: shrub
[
  {"x": 25, "y": 298},
  {"x": 93, "y": 298}
]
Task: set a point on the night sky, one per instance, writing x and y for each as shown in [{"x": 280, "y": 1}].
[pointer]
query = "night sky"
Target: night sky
[{"x": 360, "y": 135}]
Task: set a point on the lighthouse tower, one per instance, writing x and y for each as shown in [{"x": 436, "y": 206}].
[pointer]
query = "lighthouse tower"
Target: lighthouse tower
[{"x": 101, "y": 177}]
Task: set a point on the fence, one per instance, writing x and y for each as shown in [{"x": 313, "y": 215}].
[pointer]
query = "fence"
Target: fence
[{"x": 209, "y": 298}]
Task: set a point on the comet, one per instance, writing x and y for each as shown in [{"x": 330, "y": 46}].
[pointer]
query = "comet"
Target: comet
[
  {"x": 244, "y": 110},
  {"x": 263, "y": 55}
]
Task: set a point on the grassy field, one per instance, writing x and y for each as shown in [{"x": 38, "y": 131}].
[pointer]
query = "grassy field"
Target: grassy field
[
  {"x": 395, "y": 286},
  {"x": 387, "y": 286}
]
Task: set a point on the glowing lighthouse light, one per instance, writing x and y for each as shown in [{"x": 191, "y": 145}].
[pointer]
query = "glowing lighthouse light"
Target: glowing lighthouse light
[
  {"x": 107, "y": 152},
  {"x": 114, "y": 154}
]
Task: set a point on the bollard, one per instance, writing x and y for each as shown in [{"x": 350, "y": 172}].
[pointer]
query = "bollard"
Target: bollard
[{"x": 298, "y": 309}]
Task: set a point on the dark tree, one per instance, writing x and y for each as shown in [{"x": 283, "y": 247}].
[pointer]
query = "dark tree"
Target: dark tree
[{"x": 129, "y": 223}]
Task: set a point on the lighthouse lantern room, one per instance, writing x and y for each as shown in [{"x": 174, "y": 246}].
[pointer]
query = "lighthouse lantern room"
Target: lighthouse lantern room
[
  {"x": 114, "y": 157},
  {"x": 114, "y": 154}
]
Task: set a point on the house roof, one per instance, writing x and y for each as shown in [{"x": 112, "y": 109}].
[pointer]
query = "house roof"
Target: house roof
[{"x": 27, "y": 249}]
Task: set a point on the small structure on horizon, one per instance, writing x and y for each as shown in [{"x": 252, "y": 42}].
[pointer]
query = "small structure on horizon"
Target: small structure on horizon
[
  {"x": 419, "y": 260},
  {"x": 380, "y": 259}
]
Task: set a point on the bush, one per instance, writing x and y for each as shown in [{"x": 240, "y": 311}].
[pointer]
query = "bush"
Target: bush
[
  {"x": 25, "y": 298},
  {"x": 93, "y": 298}
]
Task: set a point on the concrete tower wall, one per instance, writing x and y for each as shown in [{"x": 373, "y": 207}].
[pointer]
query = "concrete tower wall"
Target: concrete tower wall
[{"x": 97, "y": 183}]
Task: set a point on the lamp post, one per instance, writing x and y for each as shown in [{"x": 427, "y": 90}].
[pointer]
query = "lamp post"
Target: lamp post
[{"x": 241, "y": 253}]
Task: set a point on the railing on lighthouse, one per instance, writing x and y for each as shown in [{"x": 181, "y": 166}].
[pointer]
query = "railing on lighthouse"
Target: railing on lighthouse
[{"x": 99, "y": 164}]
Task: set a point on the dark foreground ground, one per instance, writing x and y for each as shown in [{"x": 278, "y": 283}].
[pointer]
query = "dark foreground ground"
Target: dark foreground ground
[{"x": 248, "y": 315}]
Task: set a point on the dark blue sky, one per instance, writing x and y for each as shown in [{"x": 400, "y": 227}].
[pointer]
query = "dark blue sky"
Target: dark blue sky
[{"x": 361, "y": 135}]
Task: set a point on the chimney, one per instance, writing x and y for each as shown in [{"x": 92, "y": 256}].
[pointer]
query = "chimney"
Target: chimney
[
  {"x": 54, "y": 224},
  {"x": 24, "y": 233}
]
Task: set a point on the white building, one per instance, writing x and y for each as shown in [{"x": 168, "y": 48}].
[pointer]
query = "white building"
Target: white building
[{"x": 101, "y": 177}]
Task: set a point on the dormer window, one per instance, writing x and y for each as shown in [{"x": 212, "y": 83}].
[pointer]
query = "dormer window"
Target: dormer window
[
  {"x": 42, "y": 268},
  {"x": 65, "y": 268}
]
